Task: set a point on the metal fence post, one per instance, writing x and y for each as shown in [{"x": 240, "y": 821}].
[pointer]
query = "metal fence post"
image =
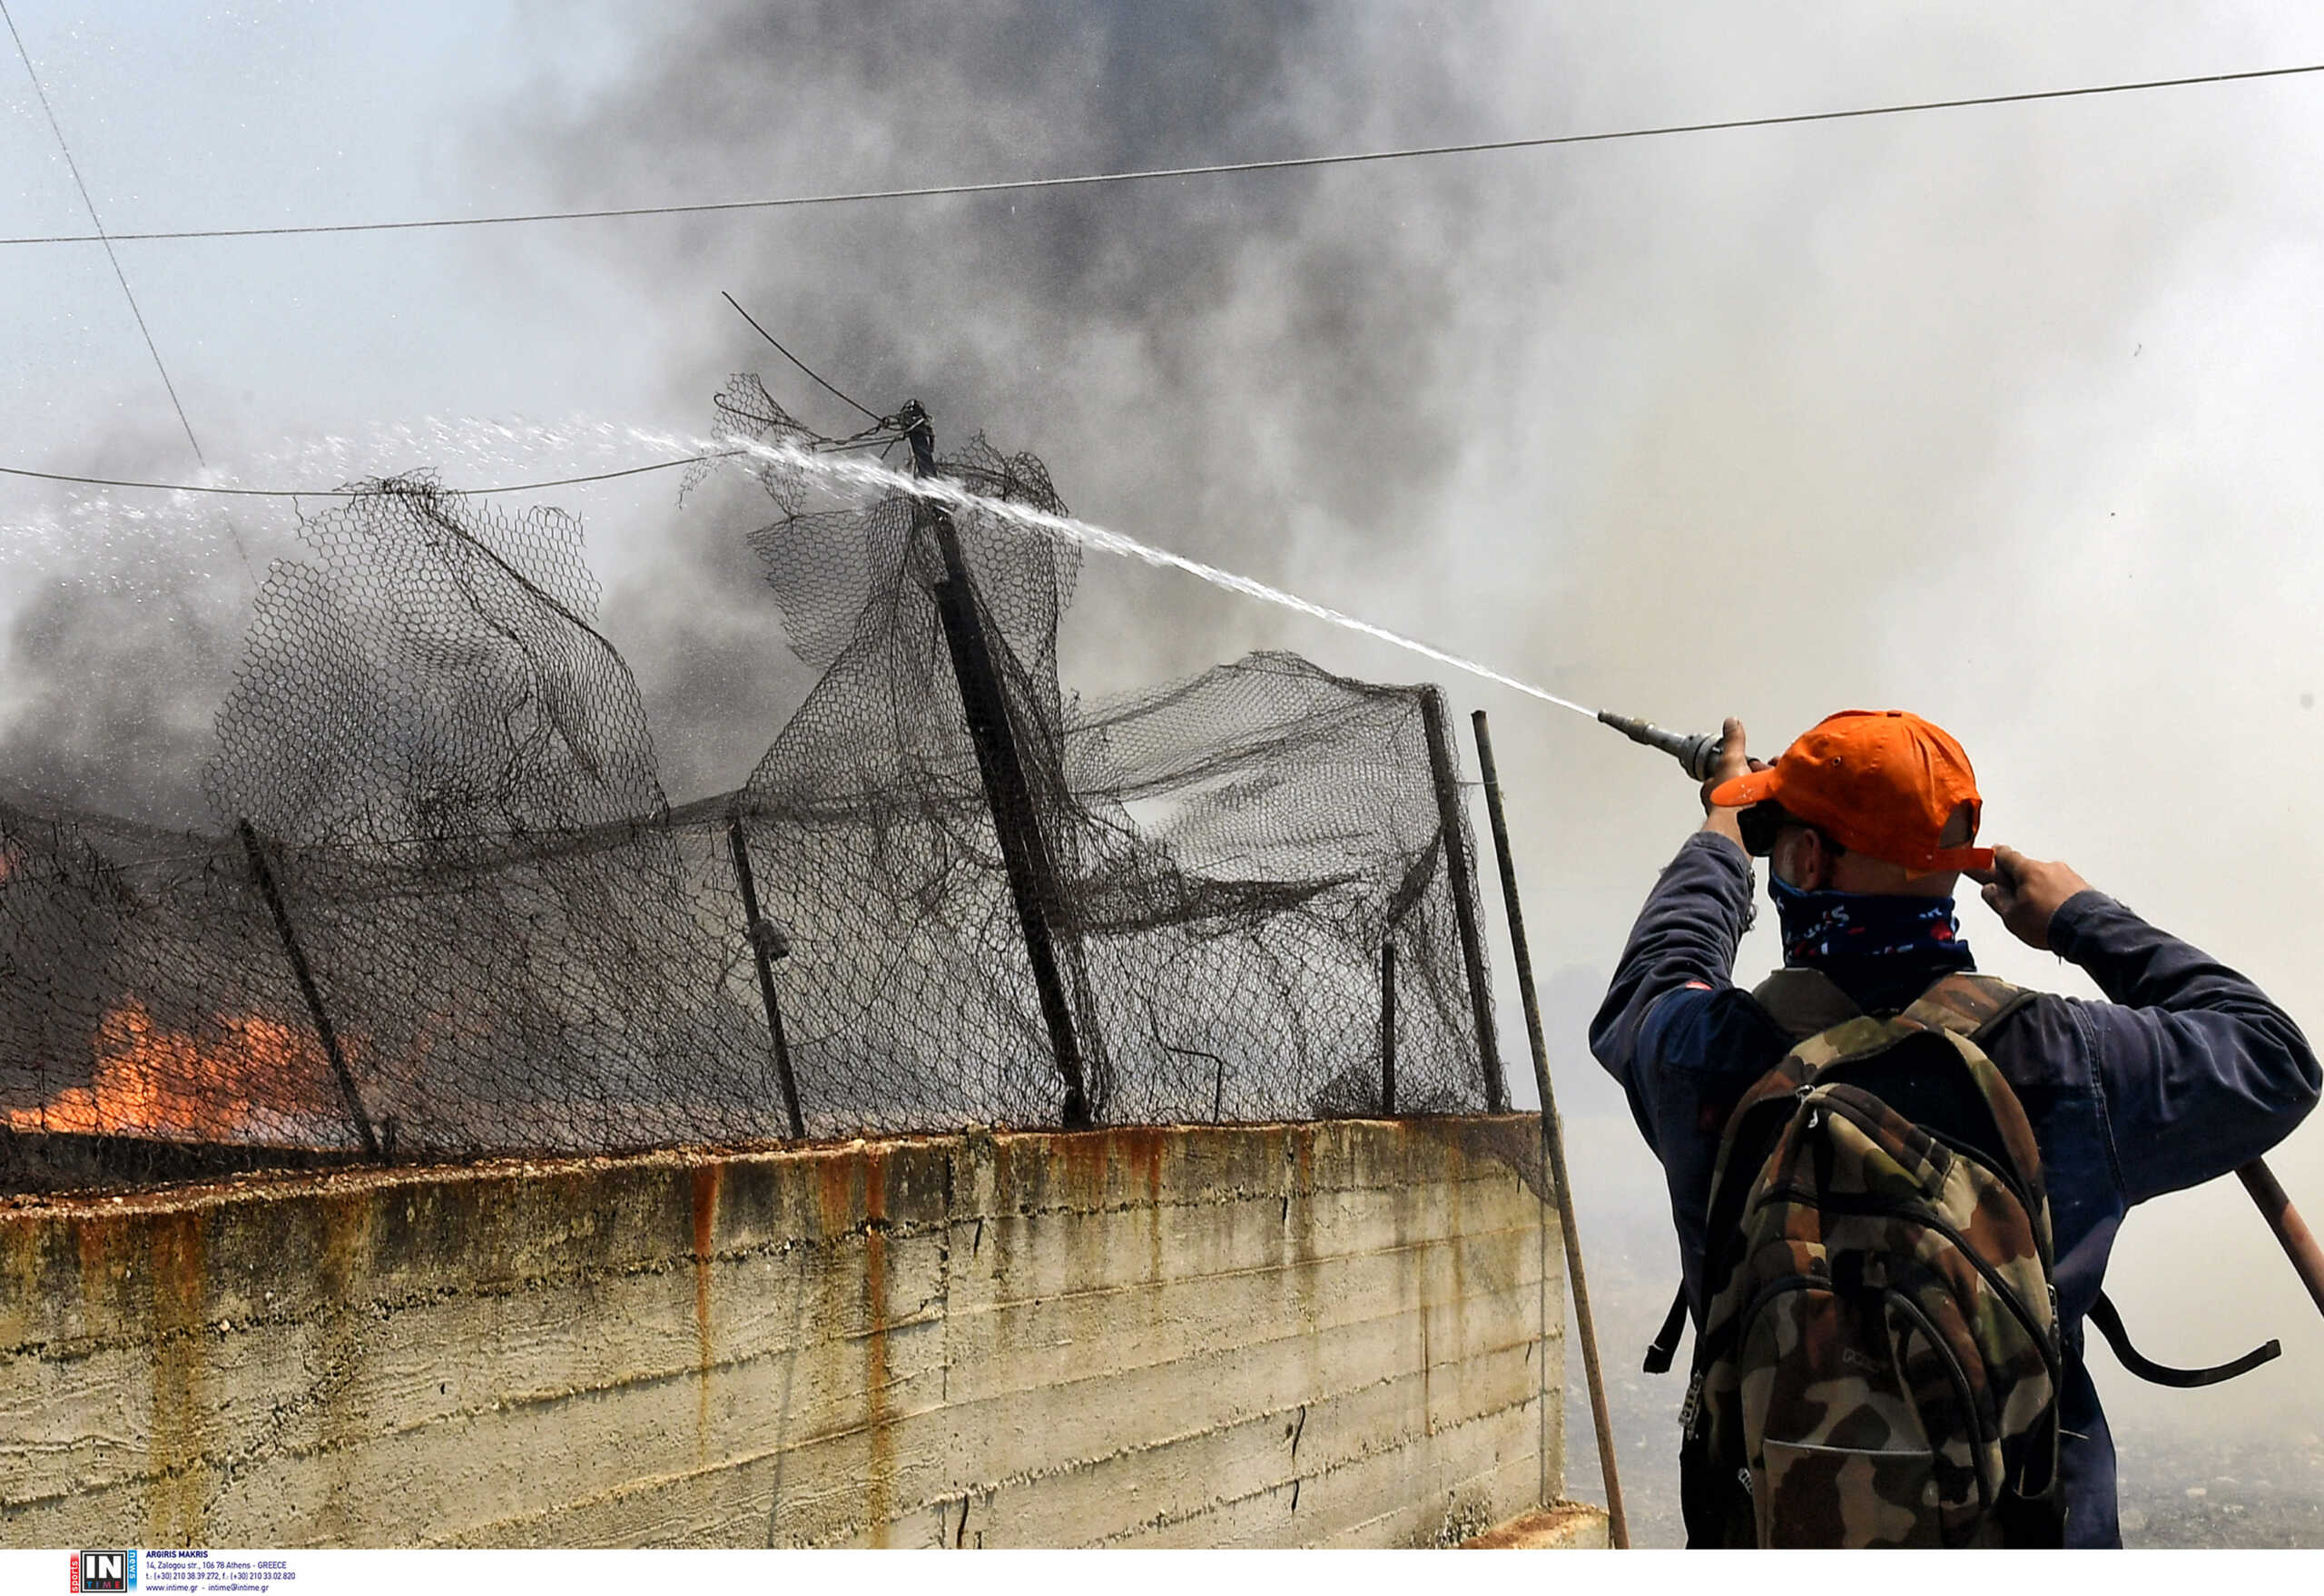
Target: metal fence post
[
  {"x": 762, "y": 935},
  {"x": 1032, "y": 876},
  {"x": 1553, "y": 1139},
  {"x": 1388, "y": 1030},
  {"x": 267, "y": 888},
  {"x": 1457, "y": 875}
]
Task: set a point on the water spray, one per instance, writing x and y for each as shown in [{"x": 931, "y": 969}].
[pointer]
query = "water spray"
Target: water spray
[{"x": 1696, "y": 751}]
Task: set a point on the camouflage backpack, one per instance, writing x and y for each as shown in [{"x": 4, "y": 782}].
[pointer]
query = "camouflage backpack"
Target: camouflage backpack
[{"x": 1879, "y": 1362}]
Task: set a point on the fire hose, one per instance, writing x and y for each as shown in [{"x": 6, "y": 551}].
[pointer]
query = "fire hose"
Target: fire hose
[{"x": 2299, "y": 1242}]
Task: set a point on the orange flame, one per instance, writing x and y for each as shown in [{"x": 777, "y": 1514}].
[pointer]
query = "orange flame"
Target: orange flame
[{"x": 153, "y": 1081}]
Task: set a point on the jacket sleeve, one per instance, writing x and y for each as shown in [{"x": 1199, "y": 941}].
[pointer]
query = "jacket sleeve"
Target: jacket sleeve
[
  {"x": 1671, "y": 1004},
  {"x": 2199, "y": 1073}
]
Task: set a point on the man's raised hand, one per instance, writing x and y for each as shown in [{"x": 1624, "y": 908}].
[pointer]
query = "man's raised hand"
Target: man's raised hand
[
  {"x": 2026, "y": 893},
  {"x": 1732, "y": 760}
]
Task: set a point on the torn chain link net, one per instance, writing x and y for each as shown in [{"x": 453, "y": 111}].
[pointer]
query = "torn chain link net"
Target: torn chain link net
[{"x": 447, "y": 909}]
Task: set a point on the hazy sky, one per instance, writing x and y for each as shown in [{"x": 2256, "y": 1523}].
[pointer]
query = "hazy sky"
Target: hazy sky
[{"x": 2009, "y": 415}]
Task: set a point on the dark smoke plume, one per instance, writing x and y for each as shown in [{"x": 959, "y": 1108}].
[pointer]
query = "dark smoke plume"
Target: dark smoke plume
[
  {"x": 1226, "y": 363},
  {"x": 116, "y": 690},
  {"x": 125, "y": 638}
]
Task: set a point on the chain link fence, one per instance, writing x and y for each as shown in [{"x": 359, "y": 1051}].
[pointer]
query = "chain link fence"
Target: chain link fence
[{"x": 447, "y": 909}]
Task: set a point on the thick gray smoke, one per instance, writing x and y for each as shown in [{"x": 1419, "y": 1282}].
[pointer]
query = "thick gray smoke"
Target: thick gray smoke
[
  {"x": 1238, "y": 363},
  {"x": 114, "y": 692},
  {"x": 122, "y": 639}
]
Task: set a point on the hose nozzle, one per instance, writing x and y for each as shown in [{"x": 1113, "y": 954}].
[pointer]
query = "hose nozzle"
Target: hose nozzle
[{"x": 1695, "y": 751}]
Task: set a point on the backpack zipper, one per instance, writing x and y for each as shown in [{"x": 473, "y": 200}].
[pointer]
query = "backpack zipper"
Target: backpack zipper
[
  {"x": 2025, "y": 1200},
  {"x": 2009, "y": 1181},
  {"x": 1720, "y": 1239},
  {"x": 1691, "y": 1408},
  {"x": 1709, "y": 1349},
  {"x": 1993, "y": 1278},
  {"x": 1960, "y": 1379},
  {"x": 2042, "y": 1243},
  {"x": 1876, "y": 1208}
]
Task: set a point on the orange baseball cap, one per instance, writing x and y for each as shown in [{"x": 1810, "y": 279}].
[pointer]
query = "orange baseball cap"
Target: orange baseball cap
[{"x": 1881, "y": 781}]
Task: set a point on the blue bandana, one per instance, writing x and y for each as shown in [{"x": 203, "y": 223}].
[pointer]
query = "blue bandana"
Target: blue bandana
[{"x": 1833, "y": 931}]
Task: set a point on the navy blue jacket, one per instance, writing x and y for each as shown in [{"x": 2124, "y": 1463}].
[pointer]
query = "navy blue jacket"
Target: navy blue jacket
[{"x": 2187, "y": 1074}]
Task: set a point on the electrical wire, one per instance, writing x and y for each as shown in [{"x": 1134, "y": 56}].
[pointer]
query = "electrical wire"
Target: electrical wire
[
  {"x": 111, "y": 256},
  {"x": 869, "y": 412},
  {"x": 1084, "y": 180},
  {"x": 96, "y": 221},
  {"x": 360, "y": 492}
]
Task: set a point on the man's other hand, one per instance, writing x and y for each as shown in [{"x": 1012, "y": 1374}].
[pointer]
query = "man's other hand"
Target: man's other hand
[{"x": 2026, "y": 893}]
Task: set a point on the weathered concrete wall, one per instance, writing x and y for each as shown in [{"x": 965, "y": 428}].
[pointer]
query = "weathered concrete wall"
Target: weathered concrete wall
[{"x": 1329, "y": 1334}]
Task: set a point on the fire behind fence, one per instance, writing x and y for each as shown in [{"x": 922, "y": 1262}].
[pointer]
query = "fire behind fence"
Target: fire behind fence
[{"x": 448, "y": 911}]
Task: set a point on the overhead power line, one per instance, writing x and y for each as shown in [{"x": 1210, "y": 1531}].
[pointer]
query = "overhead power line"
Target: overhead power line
[
  {"x": 96, "y": 221},
  {"x": 1220, "y": 168},
  {"x": 113, "y": 257},
  {"x": 358, "y": 492}
]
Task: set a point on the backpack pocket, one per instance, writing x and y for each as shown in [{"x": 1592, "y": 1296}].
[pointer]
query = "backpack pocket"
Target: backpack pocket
[
  {"x": 1812, "y": 1495},
  {"x": 1835, "y": 1428}
]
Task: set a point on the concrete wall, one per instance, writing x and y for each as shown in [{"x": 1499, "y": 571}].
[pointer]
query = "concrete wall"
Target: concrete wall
[{"x": 1329, "y": 1334}]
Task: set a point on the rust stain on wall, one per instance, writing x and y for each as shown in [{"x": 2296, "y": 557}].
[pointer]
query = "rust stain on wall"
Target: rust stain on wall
[
  {"x": 854, "y": 1454},
  {"x": 344, "y": 1268},
  {"x": 1140, "y": 1148},
  {"x": 1082, "y": 1158},
  {"x": 93, "y": 1240},
  {"x": 98, "y": 1245},
  {"x": 1302, "y": 1209},
  {"x": 707, "y": 1179},
  {"x": 26, "y": 1256},
  {"x": 835, "y": 1195},
  {"x": 1150, "y": 1145},
  {"x": 179, "y": 1480},
  {"x": 879, "y": 1485}
]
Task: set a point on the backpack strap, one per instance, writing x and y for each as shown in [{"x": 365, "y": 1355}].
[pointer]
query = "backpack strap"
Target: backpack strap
[
  {"x": 1801, "y": 1003},
  {"x": 1665, "y": 1345},
  {"x": 1965, "y": 1003},
  {"x": 2103, "y": 1314},
  {"x": 1804, "y": 1002}
]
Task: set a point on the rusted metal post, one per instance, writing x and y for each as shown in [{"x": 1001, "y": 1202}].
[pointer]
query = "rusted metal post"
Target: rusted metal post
[
  {"x": 1553, "y": 1138},
  {"x": 307, "y": 988},
  {"x": 1445, "y": 771},
  {"x": 1032, "y": 876},
  {"x": 1388, "y": 1030},
  {"x": 2291, "y": 1230},
  {"x": 762, "y": 939}
]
